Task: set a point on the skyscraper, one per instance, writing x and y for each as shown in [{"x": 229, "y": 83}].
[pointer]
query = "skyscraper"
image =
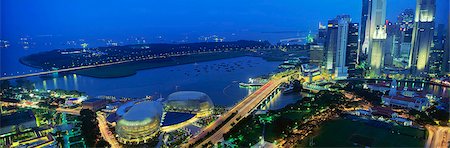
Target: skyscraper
[
  {"x": 316, "y": 54},
  {"x": 352, "y": 50},
  {"x": 406, "y": 23},
  {"x": 341, "y": 70},
  {"x": 331, "y": 44},
  {"x": 437, "y": 52},
  {"x": 446, "y": 59},
  {"x": 377, "y": 35},
  {"x": 422, "y": 37},
  {"x": 342, "y": 47},
  {"x": 365, "y": 25},
  {"x": 406, "y": 19}
]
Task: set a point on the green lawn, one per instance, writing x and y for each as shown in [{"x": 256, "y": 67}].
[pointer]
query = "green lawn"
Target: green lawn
[
  {"x": 343, "y": 133},
  {"x": 128, "y": 69}
]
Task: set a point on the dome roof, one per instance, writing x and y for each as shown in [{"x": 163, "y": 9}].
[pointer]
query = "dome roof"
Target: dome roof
[
  {"x": 143, "y": 110},
  {"x": 188, "y": 96},
  {"x": 188, "y": 101}
]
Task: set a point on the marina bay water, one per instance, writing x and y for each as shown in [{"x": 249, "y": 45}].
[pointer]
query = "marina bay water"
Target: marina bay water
[{"x": 219, "y": 79}]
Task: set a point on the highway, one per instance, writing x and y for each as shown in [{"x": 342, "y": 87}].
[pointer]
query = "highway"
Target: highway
[
  {"x": 104, "y": 131},
  {"x": 242, "y": 110},
  {"x": 61, "y": 70},
  {"x": 438, "y": 137}
]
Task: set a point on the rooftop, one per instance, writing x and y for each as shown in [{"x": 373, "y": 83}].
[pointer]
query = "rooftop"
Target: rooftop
[
  {"x": 93, "y": 100},
  {"x": 144, "y": 110},
  {"x": 188, "y": 95},
  {"x": 17, "y": 118}
]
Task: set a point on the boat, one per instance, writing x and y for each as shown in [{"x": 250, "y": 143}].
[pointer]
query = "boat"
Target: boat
[
  {"x": 289, "y": 89},
  {"x": 250, "y": 84}
]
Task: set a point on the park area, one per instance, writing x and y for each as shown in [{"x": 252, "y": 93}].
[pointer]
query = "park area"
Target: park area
[{"x": 348, "y": 133}]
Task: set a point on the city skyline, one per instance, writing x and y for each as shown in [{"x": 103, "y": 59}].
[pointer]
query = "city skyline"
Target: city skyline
[{"x": 221, "y": 74}]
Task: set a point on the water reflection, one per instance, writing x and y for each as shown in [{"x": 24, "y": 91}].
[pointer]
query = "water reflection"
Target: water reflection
[{"x": 219, "y": 79}]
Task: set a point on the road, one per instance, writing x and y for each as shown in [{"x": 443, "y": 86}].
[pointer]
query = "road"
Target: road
[
  {"x": 62, "y": 70},
  {"x": 438, "y": 137},
  {"x": 104, "y": 131},
  {"x": 242, "y": 110},
  {"x": 74, "y": 111}
]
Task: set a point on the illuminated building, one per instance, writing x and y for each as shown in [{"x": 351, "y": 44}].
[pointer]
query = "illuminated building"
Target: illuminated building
[
  {"x": 316, "y": 55},
  {"x": 422, "y": 37},
  {"x": 17, "y": 122},
  {"x": 331, "y": 44},
  {"x": 43, "y": 139},
  {"x": 405, "y": 22},
  {"x": 405, "y": 45},
  {"x": 446, "y": 58},
  {"x": 351, "y": 58},
  {"x": 342, "y": 47},
  {"x": 189, "y": 102},
  {"x": 365, "y": 25},
  {"x": 377, "y": 35},
  {"x": 94, "y": 104},
  {"x": 341, "y": 70},
  {"x": 376, "y": 58},
  {"x": 437, "y": 52},
  {"x": 140, "y": 123}
]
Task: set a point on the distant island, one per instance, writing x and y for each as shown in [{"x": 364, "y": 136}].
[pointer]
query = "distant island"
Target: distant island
[{"x": 132, "y": 58}]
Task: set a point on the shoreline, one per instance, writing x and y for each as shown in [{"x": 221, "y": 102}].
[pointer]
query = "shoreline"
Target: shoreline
[{"x": 132, "y": 68}]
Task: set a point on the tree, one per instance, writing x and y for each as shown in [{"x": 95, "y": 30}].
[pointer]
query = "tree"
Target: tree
[
  {"x": 5, "y": 84},
  {"x": 89, "y": 127}
]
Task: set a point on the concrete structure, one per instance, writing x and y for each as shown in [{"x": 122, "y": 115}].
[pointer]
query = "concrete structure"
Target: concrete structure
[
  {"x": 416, "y": 103},
  {"x": 140, "y": 123},
  {"x": 94, "y": 104},
  {"x": 352, "y": 54},
  {"x": 446, "y": 58},
  {"x": 341, "y": 70},
  {"x": 376, "y": 36},
  {"x": 422, "y": 37},
  {"x": 189, "y": 102},
  {"x": 316, "y": 55},
  {"x": 405, "y": 99},
  {"x": 258, "y": 99},
  {"x": 341, "y": 47},
  {"x": 437, "y": 52},
  {"x": 365, "y": 25},
  {"x": 331, "y": 45},
  {"x": 17, "y": 121}
]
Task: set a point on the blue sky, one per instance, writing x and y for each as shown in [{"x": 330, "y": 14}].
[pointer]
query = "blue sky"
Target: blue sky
[{"x": 105, "y": 18}]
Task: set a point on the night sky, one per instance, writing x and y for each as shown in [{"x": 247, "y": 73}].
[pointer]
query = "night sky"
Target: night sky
[{"x": 107, "y": 18}]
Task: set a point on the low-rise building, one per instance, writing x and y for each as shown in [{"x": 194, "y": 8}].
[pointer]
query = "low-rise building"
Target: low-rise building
[
  {"x": 17, "y": 121},
  {"x": 94, "y": 104}
]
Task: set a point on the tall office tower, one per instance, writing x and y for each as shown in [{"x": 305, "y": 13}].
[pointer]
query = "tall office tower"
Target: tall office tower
[
  {"x": 376, "y": 51},
  {"x": 392, "y": 45},
  {"x": 352, "y": 50},
  {"x": 365, "y": 25},
  {"x": 405, "y": 44},
  {"x": 406, "y": 23},
  {"x": 341, "y": 70},
  {"x": 422, "y": 37},
  {"x": 316, "y": 54},
  {"x": 330, "y": 45},
  {"x": 321, "y": 35},
  {"x": 437, "y": 51},
  {"x": 406, "y": 19},
  {"x": 446, "y": 61},
  {"x": 377, "y": 35}
]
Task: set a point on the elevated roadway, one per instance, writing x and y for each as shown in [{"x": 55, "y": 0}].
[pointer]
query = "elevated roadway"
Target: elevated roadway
[{"x": 214, "y": 132}]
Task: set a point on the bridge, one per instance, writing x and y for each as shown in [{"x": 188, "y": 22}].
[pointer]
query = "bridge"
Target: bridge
[
  {"x": 214, "y": 132},
  {"x": 61, "y": 70}
]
